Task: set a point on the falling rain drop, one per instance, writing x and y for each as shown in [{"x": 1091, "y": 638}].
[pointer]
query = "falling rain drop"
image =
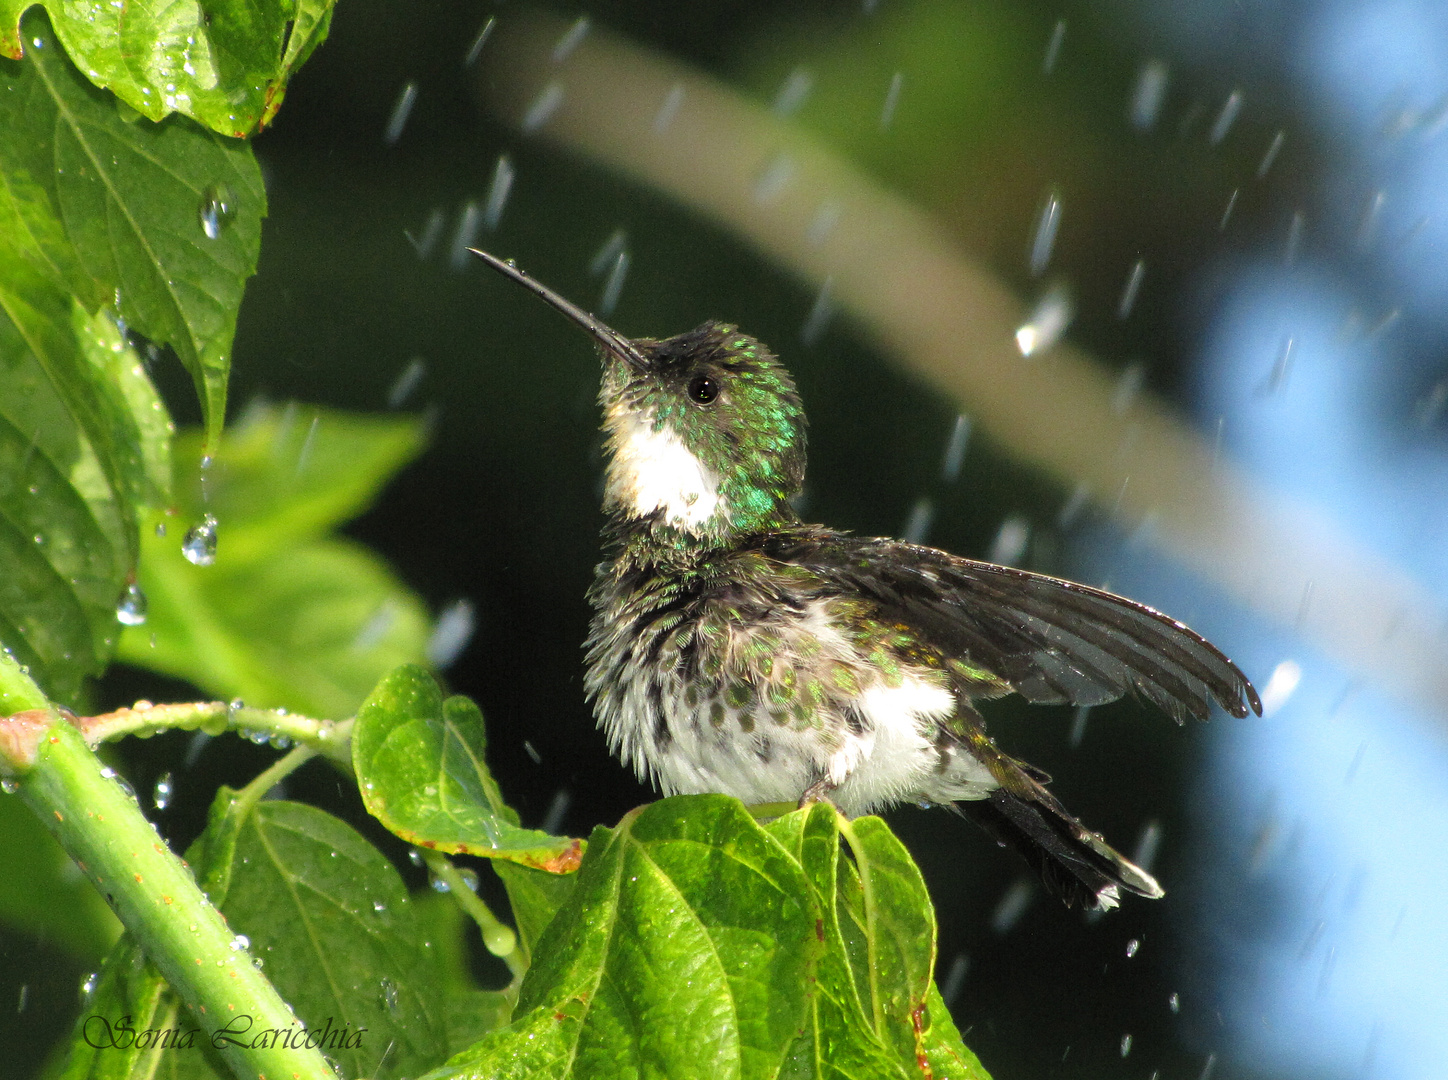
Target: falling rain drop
[
  {"x": 1053, "y": 47},
  {"x": 1150, "y": 92},
  {"x": 431, "y": 233},
  {"x": 892, "y": 100},
  {"x": 1010, "y": 541},
  {"x": 24, "y": 996},
  {"x": 161, "y": 793},
  {"x": 1280, "y": 686},
  {"x": 498, "y": 192},
  {"x": 400, "y": 112},
  {"x": 793, "y": 92},
  {"x": 1294, "y": 237},
  {"x": 668, "y": 109},
  {"x": 606, "y": 255},
  {"x": 131, "y": 608},
  {"x": 1273, "y": 149},
  {"x": 199, "y": 546},
  {"x": 1078, "y": 725},
  {"x": 1147, "y": 845},
  {"x": 1132, "y": 947},
  {"x": 1043, "y": 241},
  {"x": 1227, "y": 117},
  {"x": 1128, "y": 386},
  {"x": 532, "y": 752},
  {"x": 1175, "y": 1002},
  {"x": 1130, "y": 289},
  {"x": 1075, "y": 503},
  {"x": 613, "y": 285},
  {"x": 476, "y": 48},
  {"x": 1012, "y": 906},
  {"x": 571, "y": 39},
  {"x": 452, "y": 633},
  {"x": 955, "y": 447},
  {"x": 826, "y": 217},
  {"x": 1047, "y": 321},
  {"x": 548, "y": 102},
  {"x": 819, "y": 314},
  {"x": 470, "y": 218},
  {"x": 917, "y": 525},
  {"x": 1227, "y": 212},
  {"x": 217, "y": 209},
  {"x": 557, "y": 810},
  {"x": 88, "y": 986},
  {"x": 771, "y": 181},
  {"x": 1125, "y": 1045},
  {"x": 954, "y": 979},
  {"x": 406, "y": 382}
]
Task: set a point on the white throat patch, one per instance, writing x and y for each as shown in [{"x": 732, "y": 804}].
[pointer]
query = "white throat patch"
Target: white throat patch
[{"x": 652, "y": 470}]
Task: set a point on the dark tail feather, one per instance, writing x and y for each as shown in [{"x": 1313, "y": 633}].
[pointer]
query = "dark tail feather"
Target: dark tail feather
[{"x": 1075, "y": 864}]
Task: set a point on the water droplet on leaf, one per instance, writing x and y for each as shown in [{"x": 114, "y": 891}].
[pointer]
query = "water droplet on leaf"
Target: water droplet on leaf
[
  {"x": 199, "y": 547},
  {"x": 131, "y": 608},
  {"x": 217, "y": 209}
]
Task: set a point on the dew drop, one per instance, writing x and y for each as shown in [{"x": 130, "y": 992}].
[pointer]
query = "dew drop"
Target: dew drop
[
  {"x": 199, "y": 547},
  {"x": 9, "y": 786},
  {"x": 217, "y": 209},
  {"x": 161, "y": 793},
  {"x": 439, "y": 885},
  {"x": 131, "y": 608},
  {"x": 240, "y": 942}
]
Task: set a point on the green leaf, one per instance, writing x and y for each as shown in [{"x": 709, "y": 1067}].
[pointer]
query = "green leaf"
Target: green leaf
[
  {"x": 62, "y": 532},
  {"x": 286, "y": 616},
  {"x": 111, "y": 213},
  {"x": 43, "y": 892},
  {"x": 110, "y": 1040},
  {"x": 471, "y": 1011},
  {"x": 225, "y": 64},
  {"x": 419, "y": 763},
  {"x": 682, "y": 952},
  {"x": 333, "y": 924},
  {"x": 535, "y": 897}
]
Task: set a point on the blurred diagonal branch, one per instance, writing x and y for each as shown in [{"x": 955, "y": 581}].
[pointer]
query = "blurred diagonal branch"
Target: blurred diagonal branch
[{"x": 952, "y": 322}]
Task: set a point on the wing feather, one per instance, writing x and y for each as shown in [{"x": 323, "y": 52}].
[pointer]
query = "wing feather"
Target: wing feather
[{"x": 1053, "y": 641}]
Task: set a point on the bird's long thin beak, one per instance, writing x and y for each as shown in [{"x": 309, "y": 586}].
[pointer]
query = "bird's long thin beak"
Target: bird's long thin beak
[{"x": 606, "y": 335}]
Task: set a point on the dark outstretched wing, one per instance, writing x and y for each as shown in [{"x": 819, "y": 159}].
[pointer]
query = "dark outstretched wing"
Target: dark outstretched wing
[{"x": 1053, "y": 641}]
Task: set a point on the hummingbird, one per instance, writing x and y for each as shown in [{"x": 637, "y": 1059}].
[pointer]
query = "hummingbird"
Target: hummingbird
[{"x": 736, "y": 649}]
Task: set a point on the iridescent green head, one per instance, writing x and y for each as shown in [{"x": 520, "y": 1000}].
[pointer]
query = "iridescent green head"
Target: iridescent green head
[{"x": 705, "y": 430}]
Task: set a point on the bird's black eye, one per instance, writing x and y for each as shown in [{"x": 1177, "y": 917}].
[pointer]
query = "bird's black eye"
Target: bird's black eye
[{"x": 703, "y": 389}]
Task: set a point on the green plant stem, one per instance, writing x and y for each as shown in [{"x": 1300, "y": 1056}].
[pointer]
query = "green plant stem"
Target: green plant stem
[
  {"x": 498, "y": 936},
  {"x": 264, "y": 781},
  {"x": 160, "y": 904},
  {"x": 325, "y": 736}
]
